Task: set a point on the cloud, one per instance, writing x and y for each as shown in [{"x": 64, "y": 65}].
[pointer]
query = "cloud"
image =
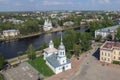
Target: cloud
[
  {"x": 31, "y": 0},
  {"x": 107, "y": 1},
  {"x": 100, "y": 1},
  {"x": 104, "y": 1},
  {"x": 53, "y": 3},
  {"x": 3, "y": 1},
  {"x": 18, "y": 4}
]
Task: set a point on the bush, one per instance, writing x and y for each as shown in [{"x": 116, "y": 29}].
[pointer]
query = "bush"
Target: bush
[{"x": 116, "y": 62}]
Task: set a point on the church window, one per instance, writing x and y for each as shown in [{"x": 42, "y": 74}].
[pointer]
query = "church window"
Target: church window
[
  {"x": 63, "y": 53},
  {"x": 60, "y": 53}
]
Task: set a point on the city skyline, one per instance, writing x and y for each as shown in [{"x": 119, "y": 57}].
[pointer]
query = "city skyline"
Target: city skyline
[{"x": 32, "y": 5}]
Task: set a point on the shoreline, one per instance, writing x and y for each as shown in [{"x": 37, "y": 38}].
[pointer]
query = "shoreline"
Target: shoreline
[{"x": 39, "y": 33}]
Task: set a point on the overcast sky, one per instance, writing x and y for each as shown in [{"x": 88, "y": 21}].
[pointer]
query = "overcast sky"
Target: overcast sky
[{"x": 30, "y": 5}]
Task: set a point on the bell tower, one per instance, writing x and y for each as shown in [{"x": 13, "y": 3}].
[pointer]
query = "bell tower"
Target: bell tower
[{"x": 61, "y": 53}]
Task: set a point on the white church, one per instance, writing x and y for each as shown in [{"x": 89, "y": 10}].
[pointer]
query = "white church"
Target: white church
[
  {"x": 47, "y": 25},
  {"x": 56, "y": 58}
]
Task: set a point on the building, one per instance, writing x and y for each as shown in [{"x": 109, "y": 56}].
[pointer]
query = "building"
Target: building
[
  {"x": 68, "y": 23},
  {"x": 47, "y": 25},
  {"x": 56, "y": 58},
  {"x": 90, "y": 20},
  {"x": 10, "y": 33},
  {"x": 117, "y": 21},
  {"x": 105, "y": 31},
  {"x": 110, "y": 51},
  {"x": 22, "y": 72}
]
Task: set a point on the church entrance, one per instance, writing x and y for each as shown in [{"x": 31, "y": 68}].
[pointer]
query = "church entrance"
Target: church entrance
[{"x": 63, "y": 68}]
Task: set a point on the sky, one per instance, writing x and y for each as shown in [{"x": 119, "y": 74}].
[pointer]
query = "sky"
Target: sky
[{"x": 33, "y": 5}]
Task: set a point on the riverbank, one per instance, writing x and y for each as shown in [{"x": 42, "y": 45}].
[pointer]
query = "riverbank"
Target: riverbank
[
  {"x": 39, "y": 33},
  {"x": 19, "y": 59},
  {"x": 51, "y": 31}
]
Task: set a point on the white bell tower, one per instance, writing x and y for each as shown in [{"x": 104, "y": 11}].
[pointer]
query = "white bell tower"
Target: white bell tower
[{"x": 61, "y": 53}]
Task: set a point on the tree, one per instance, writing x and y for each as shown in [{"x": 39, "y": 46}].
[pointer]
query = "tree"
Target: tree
[
  {"x": 118, "y": 33},
  {"x": 77, "y": 50},
  {"x": 56, "y": 42},
  {"x": 70, "y": 38},
  {"x": 19, "y": 54},
  {"x": 1, "y": 61},
  {"x": 43, "y": 46},
  {"x": 85, "y": 41},
  {"x": 31, "y": 52}
]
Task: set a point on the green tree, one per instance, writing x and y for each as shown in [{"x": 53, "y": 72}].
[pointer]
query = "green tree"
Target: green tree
[
  {"x": 85, "y": 41},
  {"x": 118, "y": 33},
  {"x": 43, "y": 46},
  {"x": 70, "y": 39},
  {"x": 2, "y": 61},
  {"x": 77, "y": 50},
  {"x": 56, "y": 42},
  {"x": 31, "y": 52},
  {"x": 19, "y": 54}
]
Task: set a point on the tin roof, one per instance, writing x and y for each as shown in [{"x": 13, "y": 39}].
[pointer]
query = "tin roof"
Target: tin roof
[{"x": 108, "y": 28}]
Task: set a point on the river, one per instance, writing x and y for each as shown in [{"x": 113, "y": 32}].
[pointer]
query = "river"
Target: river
[{"x": 10, "y": 49}]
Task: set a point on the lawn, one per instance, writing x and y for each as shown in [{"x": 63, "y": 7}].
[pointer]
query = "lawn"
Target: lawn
[
  {"x": 1, "y": 78},
  {"x": 41, "y": 66}
]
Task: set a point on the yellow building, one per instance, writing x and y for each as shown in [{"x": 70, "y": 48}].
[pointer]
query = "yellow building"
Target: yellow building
[{"x": 110, "y": 51}]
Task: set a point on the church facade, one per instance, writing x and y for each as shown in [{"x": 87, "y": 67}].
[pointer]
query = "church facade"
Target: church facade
[
  {"x": 47, "y": 25},
  {"x": 56, "y": 58}
]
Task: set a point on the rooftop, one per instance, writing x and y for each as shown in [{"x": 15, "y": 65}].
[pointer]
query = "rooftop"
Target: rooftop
[
  {"x": 54, "y": 62},
  {"x": 108, "y": 28},
  {"x": 23, "y": 72},
  {"x": 50, "y": 50},
  {"x": 109, "y": 45},
  {"x": 12, "y": 30}
]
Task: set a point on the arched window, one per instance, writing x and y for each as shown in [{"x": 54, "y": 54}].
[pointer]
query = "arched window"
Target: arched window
[{"x": 60, "y": 53}]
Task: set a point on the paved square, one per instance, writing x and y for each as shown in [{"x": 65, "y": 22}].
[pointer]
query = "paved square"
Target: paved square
[
  {"x": 92, "y": 69},
  {"x": 22, "y": 72}
]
